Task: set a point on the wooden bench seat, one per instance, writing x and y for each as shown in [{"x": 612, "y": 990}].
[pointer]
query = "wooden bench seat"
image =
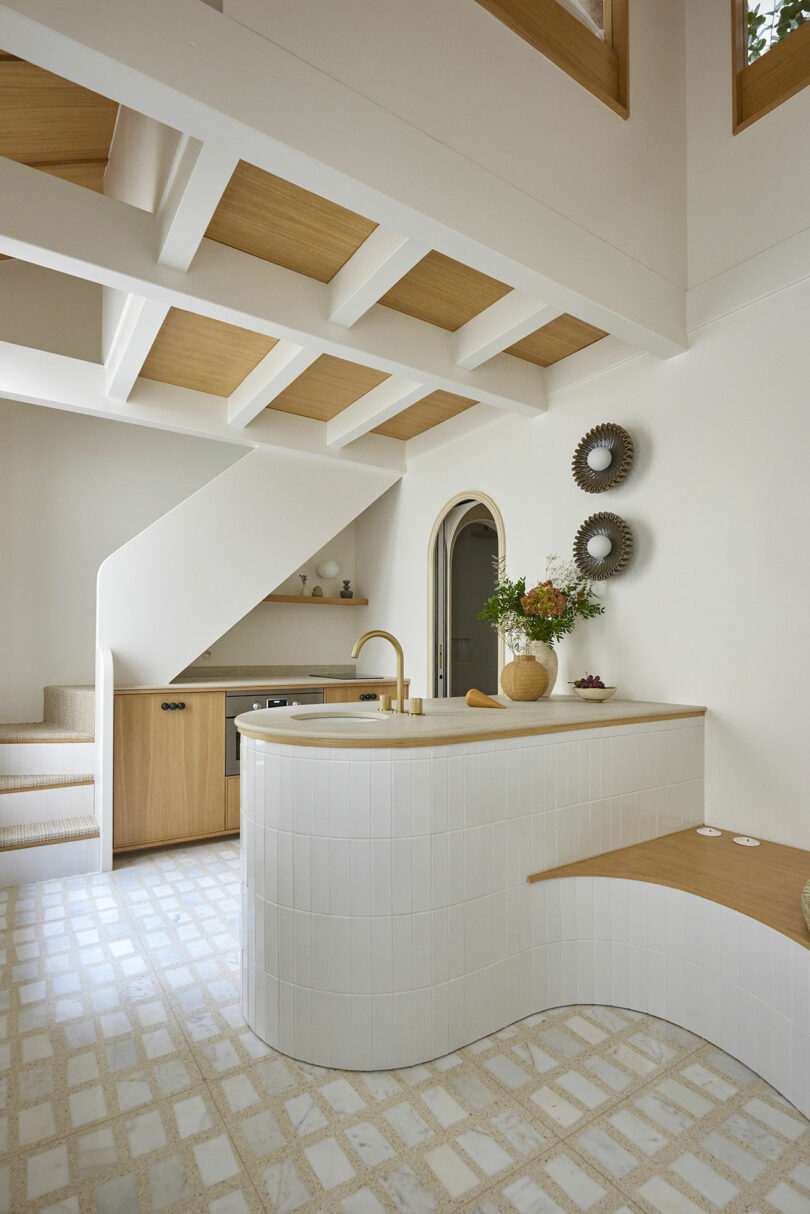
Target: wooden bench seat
[{"x": 762, "y": 882}]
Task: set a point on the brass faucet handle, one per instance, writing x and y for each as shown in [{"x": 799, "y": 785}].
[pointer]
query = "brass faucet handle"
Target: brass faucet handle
[
  {"x": 385, "y": 703},
  {"x": 415, "y": 707}
]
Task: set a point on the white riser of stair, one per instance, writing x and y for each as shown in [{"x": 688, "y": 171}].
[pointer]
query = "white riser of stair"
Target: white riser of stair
[
  {"x": 35, "y": 758},
  {"x": 50, "y": 861},
  {"x": 45, "y": 804}
]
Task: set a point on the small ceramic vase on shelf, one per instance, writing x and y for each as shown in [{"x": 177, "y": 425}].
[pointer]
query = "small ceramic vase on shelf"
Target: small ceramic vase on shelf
[
  {"x": 524, "y": 678},
  {"x": 347, "y": 592},
  {"x": 547, "y": 657}
]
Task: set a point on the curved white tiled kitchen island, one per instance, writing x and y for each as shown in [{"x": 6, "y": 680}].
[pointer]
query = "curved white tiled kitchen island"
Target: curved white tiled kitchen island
[{"x": 387, "y": 918}]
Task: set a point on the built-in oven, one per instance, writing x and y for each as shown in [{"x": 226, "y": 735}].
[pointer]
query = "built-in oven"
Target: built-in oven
[{"x": 237, "y": 702}]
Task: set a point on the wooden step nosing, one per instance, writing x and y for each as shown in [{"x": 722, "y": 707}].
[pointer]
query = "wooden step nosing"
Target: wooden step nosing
[
  {"x": 42, "y": 741},
  {"x": 48, "y": 842},
  {"x": 48, "y": 787}
]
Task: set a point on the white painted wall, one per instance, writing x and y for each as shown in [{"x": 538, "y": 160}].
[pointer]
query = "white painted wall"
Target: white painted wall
[
  {"x": 169, "y": 592},
  {"x": 455, "y": 72},
  {"x": 50, "y": 311},
  {"x": 713, "y": 609},
  {"x": 72, "y": 490},
  {"x": 747, "y": 192},
  {"x": 281, "y": 634}
]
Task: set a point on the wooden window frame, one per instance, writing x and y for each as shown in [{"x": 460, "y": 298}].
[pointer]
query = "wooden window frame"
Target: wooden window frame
[
  {"x": 759, "y": 87},
  {"x": 599, "y": 66}
]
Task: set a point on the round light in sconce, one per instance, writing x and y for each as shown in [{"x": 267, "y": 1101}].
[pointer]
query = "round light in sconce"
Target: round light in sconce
[
  {"x": 603, "y": 458},
  {"x": 599, "y": 458},
  {"x": 328, "y": 569},
  {"x": 599, "y": 546},
  {"x": 603, "y": 546}
]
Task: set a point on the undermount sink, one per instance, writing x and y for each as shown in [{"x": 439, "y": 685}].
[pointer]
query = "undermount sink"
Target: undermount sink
[{"x": 339, "y": 716}]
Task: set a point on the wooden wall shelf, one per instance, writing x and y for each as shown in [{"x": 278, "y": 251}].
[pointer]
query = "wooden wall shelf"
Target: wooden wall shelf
[{"x": 323, "y": 602}]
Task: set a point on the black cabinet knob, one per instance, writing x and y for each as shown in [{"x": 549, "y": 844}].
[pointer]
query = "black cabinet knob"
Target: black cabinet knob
[
  {"x": 181, "y": 705},
  {"x": 172, "y": 706},
  {"x": 164, "y": 707}
]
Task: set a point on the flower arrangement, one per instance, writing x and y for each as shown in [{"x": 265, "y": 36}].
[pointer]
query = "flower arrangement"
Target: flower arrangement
[{"x": 546, "y": 612}]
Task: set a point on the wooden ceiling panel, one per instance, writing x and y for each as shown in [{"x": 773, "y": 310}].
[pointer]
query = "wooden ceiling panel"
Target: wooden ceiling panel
[
  {"x": 47, "y": 120},
  {"x": 87, "y": 173},
  {"x": 327, "y": 387},
  {"x": 424, "y": 415},
  {"x": 556, "y": 340},
  {"x": 444, "y": 292},
  {"x": 280, "y": 222},
  {"x": 195, "y": 352}
]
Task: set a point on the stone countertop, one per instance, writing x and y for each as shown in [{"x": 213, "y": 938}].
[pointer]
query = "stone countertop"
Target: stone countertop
[
  {"x": 272, "y": 683},
  {"x": 447, "y": 721}
]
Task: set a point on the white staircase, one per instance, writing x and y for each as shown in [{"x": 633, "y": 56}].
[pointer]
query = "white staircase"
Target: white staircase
[{"x": 48, "y": 825}]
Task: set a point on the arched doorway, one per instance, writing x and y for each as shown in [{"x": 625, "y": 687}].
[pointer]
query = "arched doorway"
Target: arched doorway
[{"x": 466, "y": 542}]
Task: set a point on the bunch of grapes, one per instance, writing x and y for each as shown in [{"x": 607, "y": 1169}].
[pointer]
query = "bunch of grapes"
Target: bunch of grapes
[{"x": 590, "y": 680}]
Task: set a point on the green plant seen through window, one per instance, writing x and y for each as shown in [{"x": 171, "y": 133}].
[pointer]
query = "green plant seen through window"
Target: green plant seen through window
[{"x": 769, "y": 21}]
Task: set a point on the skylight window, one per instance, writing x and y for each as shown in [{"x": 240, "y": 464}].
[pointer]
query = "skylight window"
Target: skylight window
[
  {"x": 769, "y": 21},
  {"x": 771, "y": 41},
  {"x": 586, "y": 39},
  {"x": 590, "y": 12}
]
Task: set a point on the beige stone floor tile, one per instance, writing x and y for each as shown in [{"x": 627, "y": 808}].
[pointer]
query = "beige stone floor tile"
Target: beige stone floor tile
[
  {"x": 559, "y": 1180},
  {"x": 570, "y": 1065},
  {"x": 708, "y": 1132},
  {"x": 331, "y": 1133},
  {"x": 173, "y": 1155},
  {"x": 129, "y": 1081}
]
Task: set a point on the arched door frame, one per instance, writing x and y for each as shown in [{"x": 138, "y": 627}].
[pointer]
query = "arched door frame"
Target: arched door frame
[{"x": 479, "y": 498}]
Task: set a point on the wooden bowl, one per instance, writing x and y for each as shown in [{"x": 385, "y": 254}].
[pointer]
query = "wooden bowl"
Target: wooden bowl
[{"x": 595, "y": 693}]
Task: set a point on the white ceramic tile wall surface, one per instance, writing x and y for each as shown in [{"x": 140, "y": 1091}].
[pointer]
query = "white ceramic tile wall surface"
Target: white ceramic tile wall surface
[
  {"x": 387, "y": 919},
  {"x": 718, "y": 973}
]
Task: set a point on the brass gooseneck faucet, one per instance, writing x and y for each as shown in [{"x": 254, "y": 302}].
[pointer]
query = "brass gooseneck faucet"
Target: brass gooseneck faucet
[{"x": 400, "y": 706}]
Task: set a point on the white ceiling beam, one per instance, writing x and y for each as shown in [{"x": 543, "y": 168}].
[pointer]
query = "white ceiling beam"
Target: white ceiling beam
[
  {"x": 590, "y": 363},
  {"x": 134, "y": 336},
  {"x": 453, "y": 430},
  {"x": 53, "y": 223},
  {"x": 389, "y": 398},
  {"x": 503, "y": 323},
  {"x": 188, "y": 67},
  {"x": 183, "y": 180},
  {"x": 276, "y": 371},
  {"x": 40, "y": 378},
  {"x": 381, "y": 261},
  {"x": 196, "y": 183}
]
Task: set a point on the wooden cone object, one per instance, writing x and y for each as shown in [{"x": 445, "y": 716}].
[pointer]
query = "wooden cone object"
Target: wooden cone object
[{"x": 477, "y": 699}]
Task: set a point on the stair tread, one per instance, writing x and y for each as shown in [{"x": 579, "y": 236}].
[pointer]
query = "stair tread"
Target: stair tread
[
  {"x": 30, "y": 783},
  {"x": 56, "y": 830},
  {"x": 41, "y": 731}
]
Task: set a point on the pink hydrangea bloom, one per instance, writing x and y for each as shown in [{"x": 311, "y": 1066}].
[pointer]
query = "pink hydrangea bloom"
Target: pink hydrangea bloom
[{"x": 544, "y": 600}]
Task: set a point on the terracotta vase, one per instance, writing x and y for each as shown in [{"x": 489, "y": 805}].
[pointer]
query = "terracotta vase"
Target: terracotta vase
[
  {"x": 547, "y": 657},
  {"x": 524, "y": 678}
]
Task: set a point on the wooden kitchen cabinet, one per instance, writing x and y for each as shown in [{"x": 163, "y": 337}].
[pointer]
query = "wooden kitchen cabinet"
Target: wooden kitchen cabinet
[
  {"x": 232, "y": 802},
  {"x": 348, "y": 695},
  {"x": 169, "y": 768}
]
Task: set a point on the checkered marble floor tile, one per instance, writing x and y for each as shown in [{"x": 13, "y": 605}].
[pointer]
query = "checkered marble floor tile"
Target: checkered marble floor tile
[{"x": 129, "y": 1082}]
